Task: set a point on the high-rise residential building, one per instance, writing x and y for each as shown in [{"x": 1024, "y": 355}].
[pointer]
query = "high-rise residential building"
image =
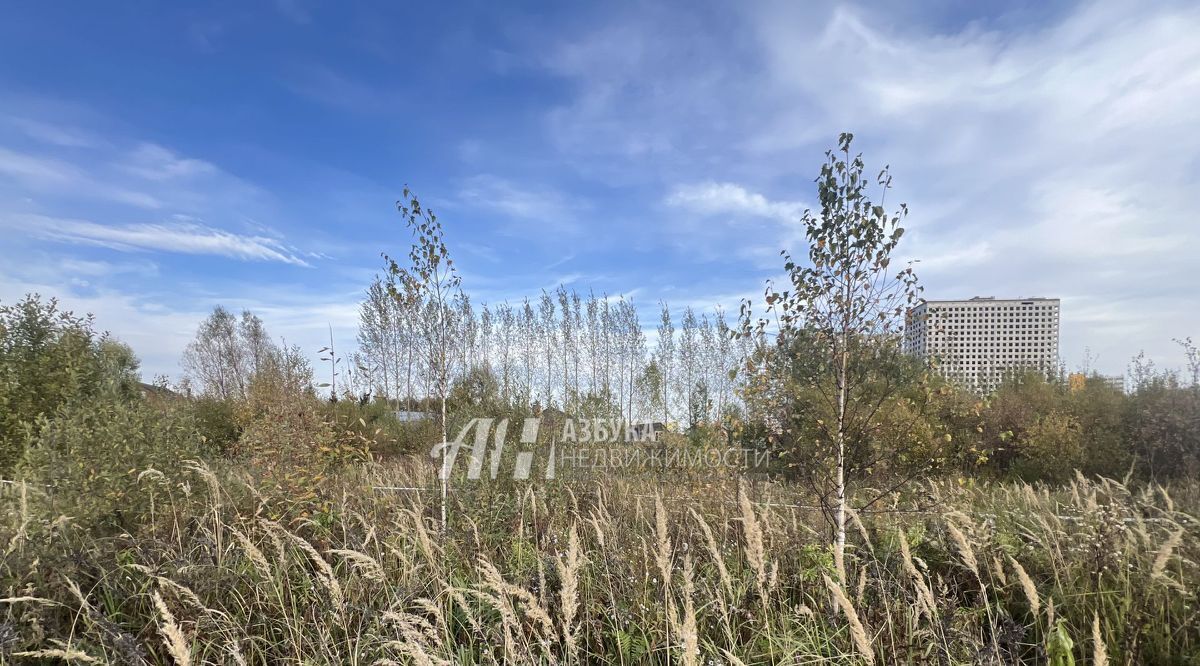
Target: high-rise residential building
[{"x": 977, "y": 342}]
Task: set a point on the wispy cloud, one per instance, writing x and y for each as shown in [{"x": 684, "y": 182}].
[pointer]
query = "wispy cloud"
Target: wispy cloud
[
  {"x": 178, "y": 237},
  {"x": 732, "y": 199},
  {"x": 335, "y": 89},
  {"x": 154, "y": 162},
  {"x": 527, "y": 208},
  {"x": 44, "y": 174},
  {"x": 58, "y": 135},
  {"x": 98, "y": 268},
  {"x": 1029, "y": 157}
]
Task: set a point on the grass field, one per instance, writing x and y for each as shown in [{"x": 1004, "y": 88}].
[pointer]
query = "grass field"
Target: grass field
[{"x": 616, "y": 571}]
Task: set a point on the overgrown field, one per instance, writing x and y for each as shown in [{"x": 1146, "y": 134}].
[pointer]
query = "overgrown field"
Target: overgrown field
[{"x": 210, "y": 568}]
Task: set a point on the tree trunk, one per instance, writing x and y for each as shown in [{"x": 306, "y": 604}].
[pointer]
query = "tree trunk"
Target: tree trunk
[
  {"x": 445, "y": 472},
  {"x": 840, "y": 487}
]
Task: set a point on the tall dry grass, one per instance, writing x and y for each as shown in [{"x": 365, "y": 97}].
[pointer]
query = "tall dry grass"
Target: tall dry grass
[{"x": 619, "y": 571}]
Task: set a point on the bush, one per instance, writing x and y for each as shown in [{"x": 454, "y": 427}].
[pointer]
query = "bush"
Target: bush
[
  {"x": 217, "y": 422},
  {"x": 89, "y": 461},
  {"x": 49, "y": 358},
  {"x": 292, "y": 446},
  {"x": 376, "y": 423}
]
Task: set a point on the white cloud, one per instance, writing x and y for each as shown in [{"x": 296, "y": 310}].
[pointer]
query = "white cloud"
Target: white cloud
[
  {"x": 88, "y": 267},
  {"x": 156, "y": 163},
  {"x": 1058, "y": 158},
  {"x": 540, "y": 216},
  {"x": 731, "y": 199},
  {"x": 179, "y": 237},
  {"x": 58, "y": 135},
  {"x": 157, "y": 334},
  {"x": 159, "y": 331},
  {"x": 47, "y": 175}
]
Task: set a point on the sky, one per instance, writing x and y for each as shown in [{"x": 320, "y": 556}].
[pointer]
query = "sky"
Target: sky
[{"x": 159, "y": 159}]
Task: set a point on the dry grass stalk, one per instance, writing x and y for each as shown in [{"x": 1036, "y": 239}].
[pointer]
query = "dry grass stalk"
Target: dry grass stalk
[
  {"x": 599, "y": 529},
  {"x": 1099, "y": 650},
  {"x": 431, "y": 607},
  {"x": 533, "y": 609},
  {"x": 365, "y": 565},
  {"x": 1170, "y": 503},
  {"x": 26, "y": 599},
  {"x": 78, "y": 593},
  {"x": 1027, "y": 586},
  {"x": 1163, "y": 558},
  {"x": 568, "y": 573},
  {"x": 186, "y": 594},
  {"x": 998, "y": 570},
  {"x": 924, "y": 595},
  {"x": 963, "y": 545},
  {"x": 859, "y": 635},
  {"x": 862, "y": 529},
  {"x": 862, "y": 585},
  {"x": 235, "y": 652},
  {"x": 173, "y": 638},
  {"x": 426, "y": 632},
  {"x": 424, "y": 541},
  {"x": 508, "y": 619},
  {"x": 67, "y": 654},
  {"x": 714, "y": 552},
  {"x": 253, "y": 553},
  {"x": 415, "y": 645},
  {"x": 325, "y": 573},
  {"x": 688, "y": 634},
  {"x": 755, "y": 550},
  {"x": 461, "y": 599},
  {"x": 663, "y": 553},
  {"x": 23, "y": 509}
]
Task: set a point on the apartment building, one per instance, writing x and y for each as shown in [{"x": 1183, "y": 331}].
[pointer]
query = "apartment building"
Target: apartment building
[{"x": 977, "y": 342}]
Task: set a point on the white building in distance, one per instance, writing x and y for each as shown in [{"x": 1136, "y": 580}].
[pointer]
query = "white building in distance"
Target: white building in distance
[{"x": 977, "y": 342}]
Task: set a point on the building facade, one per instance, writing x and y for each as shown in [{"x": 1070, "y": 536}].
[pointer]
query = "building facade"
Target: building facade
[{"x": 979, "y": 341}]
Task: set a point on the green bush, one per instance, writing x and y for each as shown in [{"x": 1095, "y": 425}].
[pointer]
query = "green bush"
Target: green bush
[
  {"x": 49, "y": 358},
  {"x": 217, "y": 422},
  {"x": 88, "y": 462}
]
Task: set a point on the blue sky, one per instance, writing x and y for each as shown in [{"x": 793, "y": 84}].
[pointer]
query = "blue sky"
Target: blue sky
[{"x": 156, "y": 160}]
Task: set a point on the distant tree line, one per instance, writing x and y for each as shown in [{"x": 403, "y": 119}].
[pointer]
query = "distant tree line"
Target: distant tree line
[{"x": 581, "y": 354}]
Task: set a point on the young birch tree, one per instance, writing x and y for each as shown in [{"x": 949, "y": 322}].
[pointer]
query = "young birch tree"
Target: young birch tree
[
  {"x": 665, "y": 354},
  {"x": 431, "y": 278},
  {"x": 850, "y": 305}
]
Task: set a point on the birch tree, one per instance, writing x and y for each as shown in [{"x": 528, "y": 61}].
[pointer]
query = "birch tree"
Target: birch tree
[
  {"x": 227, "y": 353},
  {"x": 665, "y": 357},
  {"x": 430, "y": 277},
  {"x": 847, "y": 304}
]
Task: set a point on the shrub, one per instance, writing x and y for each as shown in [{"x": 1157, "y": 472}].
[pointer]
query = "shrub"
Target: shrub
[
  {"x": 90, "y": 459},
  {"x": 376, "y": 423},
  {"x": 217, "y": 422},
  {"x": 49, "y": 358},
  {"x": 292, "y": 446}
]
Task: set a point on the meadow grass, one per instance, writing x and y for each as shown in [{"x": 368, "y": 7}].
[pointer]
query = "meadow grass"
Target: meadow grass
[{"x": 602, "y": 570}]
